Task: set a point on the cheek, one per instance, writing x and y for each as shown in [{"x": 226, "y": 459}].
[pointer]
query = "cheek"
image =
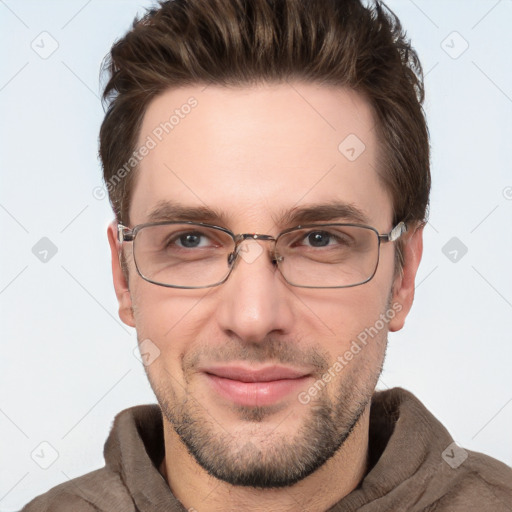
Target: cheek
[
  {"x": 171, "y": 319},
  {"x": 167, "y": 325},
  {"x": 342, "y": 315}
]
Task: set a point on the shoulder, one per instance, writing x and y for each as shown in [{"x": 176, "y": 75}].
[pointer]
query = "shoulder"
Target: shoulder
[
  {"x": 131, "y": 451},
  {"x": 101, "y": 490},
  {"x": 477, "y": 483}
]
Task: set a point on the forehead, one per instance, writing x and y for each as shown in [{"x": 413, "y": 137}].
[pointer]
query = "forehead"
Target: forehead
[{"x": 256, "y": 152}]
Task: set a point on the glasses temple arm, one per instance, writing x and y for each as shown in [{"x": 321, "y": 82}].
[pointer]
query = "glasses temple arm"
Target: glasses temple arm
[
  {"x": 395, "y": 233},
  {"x": 124, "y": 234}
]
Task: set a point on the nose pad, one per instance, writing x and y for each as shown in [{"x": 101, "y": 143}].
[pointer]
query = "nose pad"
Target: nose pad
[
  {"x": 232, "y": 257},
  {"x": 245, "y": 250},
  {"x": 277, "y": 258}
]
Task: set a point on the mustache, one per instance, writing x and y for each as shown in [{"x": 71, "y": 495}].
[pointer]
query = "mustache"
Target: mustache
[{"x": 270, "y": 350}]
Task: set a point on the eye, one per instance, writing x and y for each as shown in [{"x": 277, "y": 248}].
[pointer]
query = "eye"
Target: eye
[
  {"x": 182, "y": 241},
  {"x": 190, "y": 240},
  {"x": 325, "y": 238},
  {"x": 318, "y": 238}
]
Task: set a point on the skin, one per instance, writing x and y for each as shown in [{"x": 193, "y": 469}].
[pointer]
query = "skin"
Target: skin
[{"x": 253, "y": 153}]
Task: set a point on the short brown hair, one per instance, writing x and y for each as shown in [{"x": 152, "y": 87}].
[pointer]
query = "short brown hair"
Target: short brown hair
[{"x": 243, "y": 42}]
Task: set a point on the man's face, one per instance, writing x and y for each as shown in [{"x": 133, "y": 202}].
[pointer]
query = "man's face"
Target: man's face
[{"x": 255, "y": 156}]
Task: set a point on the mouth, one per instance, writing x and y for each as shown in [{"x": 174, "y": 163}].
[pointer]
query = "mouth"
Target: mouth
[{"x": 255, "y": 387}]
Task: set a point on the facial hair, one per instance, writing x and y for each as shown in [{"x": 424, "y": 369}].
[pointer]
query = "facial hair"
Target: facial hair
[{"x": 277, "y": 460}]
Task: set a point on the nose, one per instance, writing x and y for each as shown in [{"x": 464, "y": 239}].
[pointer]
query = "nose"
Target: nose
[{"x": 255, "y": 301}]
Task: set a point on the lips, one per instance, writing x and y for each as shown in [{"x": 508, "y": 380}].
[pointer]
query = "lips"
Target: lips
[
  {"x": 267, "y": 374},
  {"x": 255, "y": 387}
]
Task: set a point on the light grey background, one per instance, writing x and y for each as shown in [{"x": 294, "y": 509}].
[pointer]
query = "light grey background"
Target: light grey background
[{"x": 67, "y": 364}]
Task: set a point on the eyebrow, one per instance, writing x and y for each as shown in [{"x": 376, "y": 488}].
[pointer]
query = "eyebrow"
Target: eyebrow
[
  {"x": 324, "y": 212},
  {"x": 171, "y": 211}
]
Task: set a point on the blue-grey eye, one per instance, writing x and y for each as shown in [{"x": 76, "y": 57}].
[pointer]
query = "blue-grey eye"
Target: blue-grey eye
[
  {"x": 190, "y": 240},
  {"x": 319, "y": 238}
]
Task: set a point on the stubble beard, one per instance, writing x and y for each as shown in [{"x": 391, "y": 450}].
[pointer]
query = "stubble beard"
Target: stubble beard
[{"x": 259, "y": 458}]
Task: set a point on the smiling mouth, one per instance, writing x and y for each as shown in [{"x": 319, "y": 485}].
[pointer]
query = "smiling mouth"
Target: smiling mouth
[{"x": 255, "y": 387}]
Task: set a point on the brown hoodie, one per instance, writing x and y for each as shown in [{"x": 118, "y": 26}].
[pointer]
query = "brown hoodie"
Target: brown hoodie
[{"x": 414, "y": 466}]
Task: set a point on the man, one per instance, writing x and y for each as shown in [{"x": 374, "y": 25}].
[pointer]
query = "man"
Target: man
[{"x": 268, "y": 165}]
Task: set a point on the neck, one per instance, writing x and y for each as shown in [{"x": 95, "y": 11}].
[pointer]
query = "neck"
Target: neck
[{"x": 200, "y": 492}]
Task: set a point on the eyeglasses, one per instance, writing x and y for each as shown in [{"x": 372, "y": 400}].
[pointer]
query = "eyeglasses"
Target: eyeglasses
[{"x": 196, "y": 255}]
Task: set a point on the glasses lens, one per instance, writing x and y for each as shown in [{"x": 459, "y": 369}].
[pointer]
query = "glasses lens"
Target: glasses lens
[
  {"x": 182, "y": 255},
  {"x": 328, "y": 256}
]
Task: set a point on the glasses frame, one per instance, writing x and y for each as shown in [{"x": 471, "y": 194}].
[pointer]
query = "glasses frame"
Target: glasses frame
[{"x": 126, "y": 234}]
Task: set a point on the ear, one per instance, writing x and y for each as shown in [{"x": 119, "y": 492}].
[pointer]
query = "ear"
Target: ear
[
  {"x": 403, "y": 285},
  {"x": 120, "y": 282}
]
